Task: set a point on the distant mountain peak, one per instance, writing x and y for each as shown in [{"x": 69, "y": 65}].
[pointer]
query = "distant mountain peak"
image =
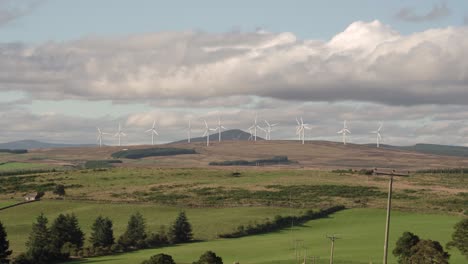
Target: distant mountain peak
[{"x": 231, "y": 134}]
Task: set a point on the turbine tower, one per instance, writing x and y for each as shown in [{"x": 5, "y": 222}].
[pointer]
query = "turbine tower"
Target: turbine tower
[
  {"x": 153, "y": 132},
  {"x": 207, "y": 133},
  {"x": 100, "y": 134},
  {"x": 300, "y": 130},
  {"x": 344, "y": 132},
  {"x": 268, "y": 129},
  {"x": 219, "y": 128},
  {"x": 377, "y": 133},
  {"x": 254, "y": 128},
  {"x": 189, "y": 131},
  {"x": 120, "y": 133}
]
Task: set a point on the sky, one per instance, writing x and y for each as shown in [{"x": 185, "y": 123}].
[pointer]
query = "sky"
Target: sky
[{"x": 68, "y": 67}]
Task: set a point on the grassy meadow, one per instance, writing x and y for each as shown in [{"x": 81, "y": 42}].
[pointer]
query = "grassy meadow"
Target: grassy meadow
[
  {"x": 207, "y": 222},
  {"x": 13, "y": 166},
  {"x": 360, "y": 232}
]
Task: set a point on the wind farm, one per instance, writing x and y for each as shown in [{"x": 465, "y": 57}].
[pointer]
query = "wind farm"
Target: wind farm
[{"x": 246, "y": 132}]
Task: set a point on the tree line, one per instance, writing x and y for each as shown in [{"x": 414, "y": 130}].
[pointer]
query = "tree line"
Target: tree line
[{"x": 64, "y": 238}]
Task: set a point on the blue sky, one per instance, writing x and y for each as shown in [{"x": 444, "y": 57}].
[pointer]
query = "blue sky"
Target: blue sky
[
  {"x": 69, "y": 19},
  {"x": 70, "y": 66}
]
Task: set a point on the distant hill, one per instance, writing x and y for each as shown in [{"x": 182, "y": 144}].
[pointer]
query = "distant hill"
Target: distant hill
[
  {"x": 434, "y": 149},
  {"x": 34, "y": 144},
  {"x": 232, "y": 134}
]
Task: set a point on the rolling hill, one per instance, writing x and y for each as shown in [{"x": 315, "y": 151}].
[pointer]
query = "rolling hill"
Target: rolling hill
[
  {"x": 34, "y": 144},
  {"x": 232, "y": 134}
]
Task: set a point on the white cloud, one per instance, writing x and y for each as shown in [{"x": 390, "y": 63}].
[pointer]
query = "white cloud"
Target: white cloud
[{"x": 367, "y": 62}]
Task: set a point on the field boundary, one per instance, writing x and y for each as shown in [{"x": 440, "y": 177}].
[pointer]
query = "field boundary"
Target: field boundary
[{"x": 16, "y": 204}]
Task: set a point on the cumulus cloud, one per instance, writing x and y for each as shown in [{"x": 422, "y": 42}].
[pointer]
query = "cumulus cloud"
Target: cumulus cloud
[
  {"x": 368, "y": 61},
  {"x": 438, "y": 11},
  {"x": 13, "y": 9}
]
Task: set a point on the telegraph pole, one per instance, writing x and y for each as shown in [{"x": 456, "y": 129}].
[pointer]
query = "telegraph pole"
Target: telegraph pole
[
  {"x": 390, "y": 173},
  {"x": 332, "y": 239}
]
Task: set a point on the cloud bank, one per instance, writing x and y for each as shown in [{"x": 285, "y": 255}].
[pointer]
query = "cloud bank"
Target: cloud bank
[{"x": 368, "y": 61}]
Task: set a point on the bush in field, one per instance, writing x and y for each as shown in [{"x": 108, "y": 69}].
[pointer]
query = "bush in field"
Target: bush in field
[
  {"x": 159, "y": 259},
  {"x": 209, "y": 257}
]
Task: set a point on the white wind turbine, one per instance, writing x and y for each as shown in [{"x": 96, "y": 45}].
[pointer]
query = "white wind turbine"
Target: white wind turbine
[
  {"x": 189, "y": 131},
  {"x": 207, "y": 133},
  {"x": 254, "y": 128},
  {"x": 219, "y": 128},
  {"x": 120, "y": 133},
  {"x": 377, "y": 133},
  {"x": 268, "y": 129},
  {"x": 100, "y": 135},
  {"x": 344, "y": 132},
  {"x": 153, "y": 132},
  {"x": 300, "y": 130}
]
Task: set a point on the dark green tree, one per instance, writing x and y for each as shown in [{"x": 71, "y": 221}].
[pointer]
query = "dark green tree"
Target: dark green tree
[
  {"x": 159, "y": 259},
  {"x": 403, "y": 247},
  {"x": 66, "y": 229},
  {"x": 460, "y": 237},
  {"x": 39, "y": 248},
  {"x": 4, "y": 246},
  {"x": 428, "y": 252},
  {"x": 209, "y": 257},
  {"x": 181, "y": 230},
  {"x": 135, "y": 234},
  {"x": 102, "y": 234},
  {"x": 59, "y": 190}
]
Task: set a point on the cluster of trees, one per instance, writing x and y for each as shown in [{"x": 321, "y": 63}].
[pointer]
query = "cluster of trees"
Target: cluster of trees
[
  {"x": 261, "y": 162},
  {"x": 280, "y": 222},
  {"x": 96, "y": 164},
  {"x": 14, "y": 151},
  {"x": 150, "y": 152},
  {"x": 410, "y": 249},
  {"x": 64, "y": 238},
  {"x": 209, "y": 257}
]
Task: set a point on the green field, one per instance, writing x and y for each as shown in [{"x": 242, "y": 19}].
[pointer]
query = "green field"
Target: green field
[
  {"x": 7, "y": 203},
  {"x": 13, "y": 166},
  {"x": 207, "y": 222},
  {"x": 360, "y": 232}
]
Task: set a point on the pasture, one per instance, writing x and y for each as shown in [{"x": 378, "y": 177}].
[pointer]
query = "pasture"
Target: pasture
[
  {"x": 207, "y": 222},
  {"x": 360, "y": 232}
]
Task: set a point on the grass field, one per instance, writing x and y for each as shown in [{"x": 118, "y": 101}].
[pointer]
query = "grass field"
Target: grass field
[
  {"x": 207, "y": 222},
  {"x": 7, "y": 203},
  {"x": 360, "y": 232},
  {"x": 12, "y": 166}
]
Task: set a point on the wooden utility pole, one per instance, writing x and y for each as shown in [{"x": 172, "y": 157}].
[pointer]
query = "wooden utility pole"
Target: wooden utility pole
[
  {"x": 390, "y": 173},
  {"x": 332, "y": 239}
]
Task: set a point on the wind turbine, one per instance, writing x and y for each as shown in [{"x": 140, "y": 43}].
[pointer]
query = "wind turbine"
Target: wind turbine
[
  {"x": 207, "y": 133},
  {"x": 300, "y": 130},
  {"x": 344, "y": 132},
  {"x": 189, "y": 131},
  {"x": 120, "y": 133},
  {"x": 153, "y": 132},
  {"x": 100, "y": 134},
  {"x": 254, "y": 128},
  {"x": 377, "y": 133},
  {"x": 219, "y": 128},
  {"x": 268, "y": 129}
]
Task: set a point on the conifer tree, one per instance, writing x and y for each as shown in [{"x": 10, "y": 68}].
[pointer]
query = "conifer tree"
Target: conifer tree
[
  {"x": 102, "y": 233},
  {"x": 135, "y": 234},
  {"x": 4, "y": 246},
  {"x": 181, "y": 230},
  {"x": 39, "y": 248}
]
